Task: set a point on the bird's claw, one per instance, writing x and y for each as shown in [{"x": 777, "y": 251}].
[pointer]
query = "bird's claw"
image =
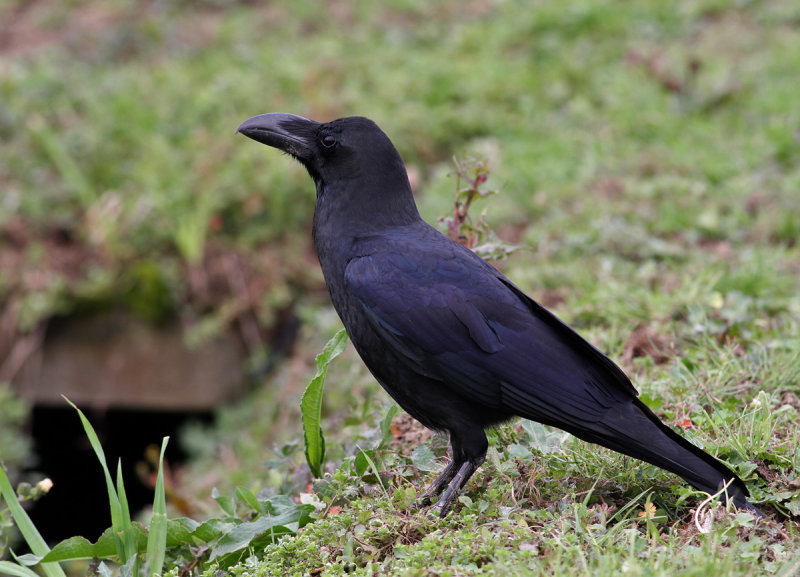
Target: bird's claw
[
  {"x": 422, "y": 503},
  {"x": 440, "y": 509}
]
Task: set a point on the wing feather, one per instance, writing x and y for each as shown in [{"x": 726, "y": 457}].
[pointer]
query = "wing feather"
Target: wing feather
[{"x": 459, "y": 321}]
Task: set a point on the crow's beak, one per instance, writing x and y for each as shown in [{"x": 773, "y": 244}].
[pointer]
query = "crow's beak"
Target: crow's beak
[{"x": 292, "y": 134}]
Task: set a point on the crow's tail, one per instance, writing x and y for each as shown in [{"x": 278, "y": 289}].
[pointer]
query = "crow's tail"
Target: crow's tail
[{"x": 633, "y": 429}]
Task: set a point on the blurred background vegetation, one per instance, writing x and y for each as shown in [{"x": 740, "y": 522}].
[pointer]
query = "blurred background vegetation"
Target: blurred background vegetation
[
  {"x": 647, "y": 154},
  {"x": 120, "y": 169}
]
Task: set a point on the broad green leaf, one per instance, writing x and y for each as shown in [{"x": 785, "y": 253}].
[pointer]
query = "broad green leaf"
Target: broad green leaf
[
  {"x": 518, "y": 451},
  {"x": 543, "y": 438},
  {"x": 29, "y": 559},
  {"x": 240, "y": 536},
  {"x": 386, "y": 424},
  {"x": 423, "y": 459},
  {"x": 285, "y": 517},
  {"x": 250, "y": 498},
  {"x": 105, "y": 547},
  {"x": 77, "y": 548},
  {"x": 361, "y": 462},
  {"x": 224, "y": 501},
  {"x": 373, "y": 468},
  {"x": 181, "y": 531},
  {"x": 212, "y": 530},
  {"x": 130, "y": 568},
  {"x": 311, "y": 405}
]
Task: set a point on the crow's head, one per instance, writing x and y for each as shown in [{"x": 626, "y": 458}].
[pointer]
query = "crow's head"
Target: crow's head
[
  {"x": 354, "y": 164},
  {"x": 340, "y": 150}
]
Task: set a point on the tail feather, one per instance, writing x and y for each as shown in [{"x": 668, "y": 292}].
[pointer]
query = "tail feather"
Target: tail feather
[{"x": 634, "y": 430}]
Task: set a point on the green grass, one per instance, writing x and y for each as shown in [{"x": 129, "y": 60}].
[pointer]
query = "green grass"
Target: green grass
[
  {"x": 121, "y": 542},
  {"x": 646, "y": 154},
  {"x": 375, "y": 538}
]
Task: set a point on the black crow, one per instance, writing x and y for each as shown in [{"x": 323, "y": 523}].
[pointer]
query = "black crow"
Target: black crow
[{"x": 450, "y": 338}]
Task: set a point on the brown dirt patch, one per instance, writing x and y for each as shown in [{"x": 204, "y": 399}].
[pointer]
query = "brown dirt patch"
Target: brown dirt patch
[
  {"x": 646, "y": 341},
  {"x": 408, "y": 432}
]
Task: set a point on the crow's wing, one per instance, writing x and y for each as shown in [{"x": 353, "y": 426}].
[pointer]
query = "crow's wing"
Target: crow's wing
[{"x": 450, "y": 316}]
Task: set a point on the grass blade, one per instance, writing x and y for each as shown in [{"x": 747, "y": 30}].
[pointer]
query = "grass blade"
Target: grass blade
[
  {"x": 128, "y": 535},
  {"x": 9, "y": 568},
  {"x": 157, "y": 537},
  {"x": 69, "y": 170},
  {"x": 374, "y": 470},
  {"x": 311, "y": 405},
  {"x": 117, "y": 522},
  {"x": 28, "y": 530}
]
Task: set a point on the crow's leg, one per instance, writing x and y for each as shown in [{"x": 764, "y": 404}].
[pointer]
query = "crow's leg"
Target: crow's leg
[
  {"x": 469, "y": 450},
  {"x": 438, "y": 485},
  {"x": 454, "y": 489}
]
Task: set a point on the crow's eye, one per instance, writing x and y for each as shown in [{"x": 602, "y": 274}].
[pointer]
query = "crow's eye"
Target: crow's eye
[{"x": 328, "y": 141}]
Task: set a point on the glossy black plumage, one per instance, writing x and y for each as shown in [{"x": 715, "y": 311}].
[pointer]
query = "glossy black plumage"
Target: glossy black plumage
[{"x": 450, "y": 338}]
